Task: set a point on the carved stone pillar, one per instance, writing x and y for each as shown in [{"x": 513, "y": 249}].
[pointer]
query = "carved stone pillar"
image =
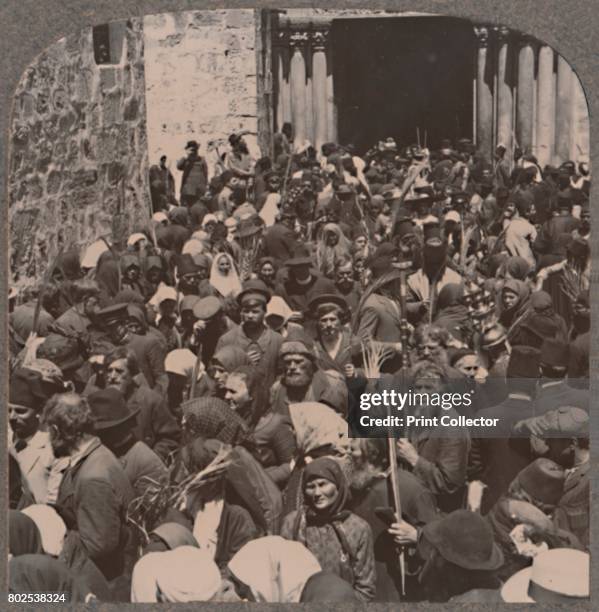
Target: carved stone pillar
[
  {"x": 545, "y": 106},
  {"x": 319, "y": 87},
  {"x": 525, "y": 98},
  {"x": 298, "y": 41},
  {"x": 563, "y": 109},
  {"x": 282, "y": 59},
  {"x": 484, "y": 93},
  {"x": 505, "y": 99}
]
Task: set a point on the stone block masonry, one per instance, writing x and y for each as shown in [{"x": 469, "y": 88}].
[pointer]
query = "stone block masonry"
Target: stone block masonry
[
  {"x": 78, "y": 149},
  {"x": 200, "y": 80}
]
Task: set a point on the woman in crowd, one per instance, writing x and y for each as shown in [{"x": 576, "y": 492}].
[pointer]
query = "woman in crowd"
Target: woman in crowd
[{"x": 341, "y": 541}]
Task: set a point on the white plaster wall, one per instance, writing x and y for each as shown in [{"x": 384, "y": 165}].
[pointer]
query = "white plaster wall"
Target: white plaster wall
[{"x": 200, "y": 80}]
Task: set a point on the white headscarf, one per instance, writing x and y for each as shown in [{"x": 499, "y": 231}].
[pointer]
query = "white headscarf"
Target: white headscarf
[
  {"x": 184, "y": 574},
  {"x": 92, "y": 254},
  {"x": 50, "y": 525},
  {"x": 276, "y": 570},
  {"x": 183, "y": 361},
  {"x": 225, "y": 285}
]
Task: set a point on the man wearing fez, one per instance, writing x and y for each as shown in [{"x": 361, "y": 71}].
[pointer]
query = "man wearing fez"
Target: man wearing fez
[
  {"x": 94, "y": 493},
  {"x": 261, "y": 343},
  {"x": 195, "y": 174},
  {"x": 29, "y": 445}
]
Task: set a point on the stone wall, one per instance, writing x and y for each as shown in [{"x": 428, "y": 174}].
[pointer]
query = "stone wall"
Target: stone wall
[
  {"x": 200, "y": 80},
  {"x": 78, "y": 150}
]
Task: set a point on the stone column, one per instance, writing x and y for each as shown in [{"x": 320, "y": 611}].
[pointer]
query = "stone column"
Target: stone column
[
  {"x": 319, "y": 87},
  {"x": 563, "y": 109},
  {"x": 545, "y": 106},
  {"x": 505, "y": 99},
  {"x": 298, "y": 86},
  {"x": 525, "y": 97},
  {"x": 484, "y": 94}
]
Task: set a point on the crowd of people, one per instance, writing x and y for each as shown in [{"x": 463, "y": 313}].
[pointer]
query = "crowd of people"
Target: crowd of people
[{"x": 179, "y": 403}]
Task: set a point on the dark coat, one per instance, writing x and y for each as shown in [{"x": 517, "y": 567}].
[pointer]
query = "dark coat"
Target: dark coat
[
  {"x": 496, "y": 461},
  {"x": 279, "y": 243},
  {"x": 417, "y": 507},
  {"x": 379, "y": 319},
  {"x": 573, "y": 510},
  {"x": 442, "y": 462},
  {"x": 150, "y": 353},
  {"x": 558, "y": 395},
  {"x": 156, "y": 426},
  {"x": 92, "y": 500}
]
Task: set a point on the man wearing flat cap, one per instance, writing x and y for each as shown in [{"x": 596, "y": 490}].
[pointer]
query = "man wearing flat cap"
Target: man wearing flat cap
[
  {"x": 261, "y": 343},
  {"x": 195, "y": 174}
]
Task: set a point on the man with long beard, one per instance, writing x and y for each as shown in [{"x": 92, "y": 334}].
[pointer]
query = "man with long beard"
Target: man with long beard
[
  {"x": 303, "y": 381},
  {"x": 372, "y": 497}
]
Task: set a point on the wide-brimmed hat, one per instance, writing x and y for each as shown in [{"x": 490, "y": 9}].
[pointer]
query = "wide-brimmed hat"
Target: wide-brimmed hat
[
  {"x": 109, "y": 408},
  {"x": 26, "y": 389},
  {"x": 465, "y": 539},
  {"x": 560, "y": 575},
  {"x": 301, "y": 257},
  {"x": 554, "y": 353},
  {"x": 543, "y": 480}
]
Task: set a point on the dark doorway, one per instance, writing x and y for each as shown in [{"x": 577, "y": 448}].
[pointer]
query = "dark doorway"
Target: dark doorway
[{"x": 393, "y": 75}]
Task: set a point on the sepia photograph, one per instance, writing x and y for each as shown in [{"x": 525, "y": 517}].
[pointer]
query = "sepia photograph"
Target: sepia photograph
[{"x": 299, "y": 311}]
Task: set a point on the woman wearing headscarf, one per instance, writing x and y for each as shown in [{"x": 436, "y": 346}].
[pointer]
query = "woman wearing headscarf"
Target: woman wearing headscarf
[
  {"x": 514, "y": 268},
  {"x": 223, "y": 362},
  {"x": 223, "y": 276},
  {"x": 270, "y": 436},
  {"x": 169, "y": 536},
  {"x": 540, "y": 322},
  {"x": 266, "y": 271},
  {"x": 340, "y": 540},
  {"x": 33, "y": 573},
  {"x": 515, "y": 302},
  {"x": 452, "y": 314},
  {"x": 51, "y": 527},
  {"x": 39, "y": 536},
  {"x": 272, "y": 570},
  {"x": 23, "y": 535},
  {"x": 328, "y": 587},
  {"x": 131, "y": 277},
  {"x": 185, "y": 574},
  {"x": 332, "y": 245}
]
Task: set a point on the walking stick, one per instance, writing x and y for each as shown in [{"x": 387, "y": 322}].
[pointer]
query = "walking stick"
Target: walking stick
[{"x": 405, "y": 364}]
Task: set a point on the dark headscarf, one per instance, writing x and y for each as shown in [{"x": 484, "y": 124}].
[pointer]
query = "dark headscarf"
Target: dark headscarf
[
  {"x": 326, "y": 586},
  {"x": 510, "y": 315},
  {"x": 452, "y": 315},
  {"x": 329, "y": 469},
  {"x": 24, "y": 537},
  {"x": 107, "y": 275},
  {"x": 517, "y": 267},
  {"x": 44, "y": 574},
  {"x": 68, "y": 264},
  {"x": 179, "y": 216}
]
